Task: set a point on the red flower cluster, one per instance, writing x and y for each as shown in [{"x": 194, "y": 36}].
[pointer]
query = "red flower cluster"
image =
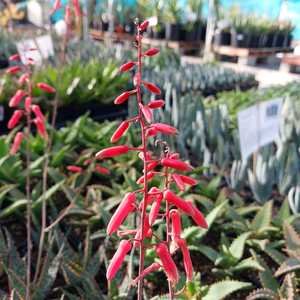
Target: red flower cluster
[
  {"x": 147, "y": 202},
  {"x": 22, "y": 100}
]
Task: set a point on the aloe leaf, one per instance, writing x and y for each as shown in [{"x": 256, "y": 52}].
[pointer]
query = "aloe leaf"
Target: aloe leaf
[
  {"x": 238, "y": 245},
  {"x": 263, "y": 218}
]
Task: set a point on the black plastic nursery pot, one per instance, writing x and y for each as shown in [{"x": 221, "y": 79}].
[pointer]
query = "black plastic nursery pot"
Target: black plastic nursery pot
[
  {"x": 279, "y": 40},
  {"x": 223, "y": 38},
  {"x": 269, "y": 40},
  {"x": 241, "y": 41},
  {"x": 173, "y": 31},
  {"x": 254, "y": 40},
  {"x": 157, "y": 32},
  {"x": 3, "y": 62}
]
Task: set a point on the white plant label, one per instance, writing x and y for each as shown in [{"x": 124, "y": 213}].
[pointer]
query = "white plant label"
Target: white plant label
[{"x": 259, "y": 125}]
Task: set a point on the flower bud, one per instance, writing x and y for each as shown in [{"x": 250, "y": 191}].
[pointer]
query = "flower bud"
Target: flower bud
[
  {"x": 23, "y": 78},
  {"x": 46, "y": 88},
  {"x": 152, "y": 88},
  {"x": 102, "y": 170},
  {"x": 74, "y": 169},
  {"x": 143, "y": 26},
  {"x": 121, "y": 130},
  {"x": 164, "y": 128},
  {"x": 152, "y": 165},
  {"x": 188, "y": 180},
  {"x": 40, "y": 125},
  {"x": 13, "y": 70},
  {"x": 198, "y": 216},
  {"x": 16, "y": 144},
  {"x": 154, "y": 211},
  {"x": 118, "y": 258},
  {"x": 167, "y": 263},
  {"x": 56, "y": 6},
  {"x": 176, "y": 164},
  {"x": 147, "y": 113},
  {"x": 38, "y": 113},
  {"x": 126, "y": 206},
  {"x": 152, "y": 268},
  {"x": 28, "y": 101},
  {"x": 14, "y": 57},
  {"x": 128, "y": 66},
  {"x": 112, "y": 151},
  {"x": 151, "y": 52},
  {"x": 156, "y": 104},
  {"x": 17, "y": 98},
  {"x": 122, "y": 98},
  {"x": 15, "y": 118},
  {"x": 147, "y": 232},
  {"x": 149, "y": 176},
  {"x": 178, "y": 181}
]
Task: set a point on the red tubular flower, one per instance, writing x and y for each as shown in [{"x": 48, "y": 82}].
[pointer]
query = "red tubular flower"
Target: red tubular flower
[
  {"x": 149, "y": 176},
  {"x": 152, "y": 132},
  {"x": 178, "y": 202},
  {"x": 167, "y": 263},
  {"x": 118, "y": 258},
  {"x": 15, "y": 118},
  {"x": 152, "y": 88},
  {"x": 122, "y": 98},
  {"x": 152, "y": 165},
  {"x": 120, "y": 131},
  {"x": 38, "y": 113},
  {"x": 164, "y": 128},
  {"x": 155, "y": 210},
  {"x": 68, "y": 15},
  {"x": 16, "y": 144},
  {"x": 177, "y": 179},
  {"x": 102, "y": 170},
  {"x": 151, "y": 52},
  {"x": 28, "y": 101},
  {"x": 40, "y": 125},
  {"x": 74, "y": 169},
  {"x": 188, "y": 265},
  {"x": 188, "y": 180},
  {"x": 13, "y": 70},
  {"x": 127, "y": 67},
  {"x": 23, "y": 78},
  {"x": 147, "y": 231},
  {"x": 147, "y": 113},
  {"x": 141, "y": 155},
  {"x": 46, "y": 87},
  {"x": 112, "y": 151},
  {"x": 126, "y": 206},
  {"x": 198, "y": 216},
  {"x": 14, "y": 57},
  {"x": 174, "y": 155},
  {"x": 152, "y": 268},
  {"x": 56, "y": 6},
  {"x": 77, "y": 8},
  {"x": 156, "y": 104},
  {"x": 176, "y": 164},
  {"x": 176, "y": 224},
  {"x": 17, "y": 98},
  {"x": 144, "y": 25}
]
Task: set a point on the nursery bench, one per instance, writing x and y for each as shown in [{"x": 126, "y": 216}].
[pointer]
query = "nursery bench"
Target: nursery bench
[{"x": 249, "y": 56}]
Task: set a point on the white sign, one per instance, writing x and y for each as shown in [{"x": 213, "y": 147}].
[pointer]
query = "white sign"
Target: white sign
[
  {"x": 259, "y": 125},
  {"x": 42, "y": 44}
]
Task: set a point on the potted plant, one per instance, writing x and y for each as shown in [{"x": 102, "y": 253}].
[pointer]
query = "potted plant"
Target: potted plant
[{"x": 172, "y": 16}]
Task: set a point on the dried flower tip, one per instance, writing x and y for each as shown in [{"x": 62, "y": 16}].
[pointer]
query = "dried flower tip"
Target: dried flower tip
[
  {"x": 126, "y": 206},
  {"x": 23, "y": 79},
  {"x": 112, "y": 151},
  {"x": 46, "y": 87},
  {"x": 176, "y": 224},
  {"x": 28, "y": 101},
  {"x": 156, "y": 104},
  {"x": 176, "y": 164},
  {"x": 177, "y": 179},
  {"x": 122, "y": 98},
  {"x": 167, "y": 263},
  {"x": 102, "y": 170},
  {"x": 197, "y": 216},
  {"x": 17, "y": 98},
  {"x": 178, "y": 202},
  {"x": 151, "y": 52},
  {"x": 149, "y": 176},
  {"x": 40, "y": 125},
  {"x": 127, "y": 67},
  {"x": 147, "y": 113},
  {"x": 13, "y": 70},
  {"x": 164, "y": 128},
  {"x": 143, "y": 26},
  {"x": 37, "y": 111},
  {"x": 15, "y": 118},
  {"x": 188, "y": 265},
  {"x": 14, "y": 57},
  {"x": 152, "y": 268},
  {"x": 188, "y": 180},
  {"x": 120, "y": 131},
  {"x": 121, "y": 233},
  {"x": 118, "y": 258},
  {"x": 152, "y": 88},
  {"x": 74, "y": 169},
  {"x": 16, "y": 144}
]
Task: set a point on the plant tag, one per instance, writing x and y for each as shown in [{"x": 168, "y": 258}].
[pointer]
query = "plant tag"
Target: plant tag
[{"x": 259, "y": 125}]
